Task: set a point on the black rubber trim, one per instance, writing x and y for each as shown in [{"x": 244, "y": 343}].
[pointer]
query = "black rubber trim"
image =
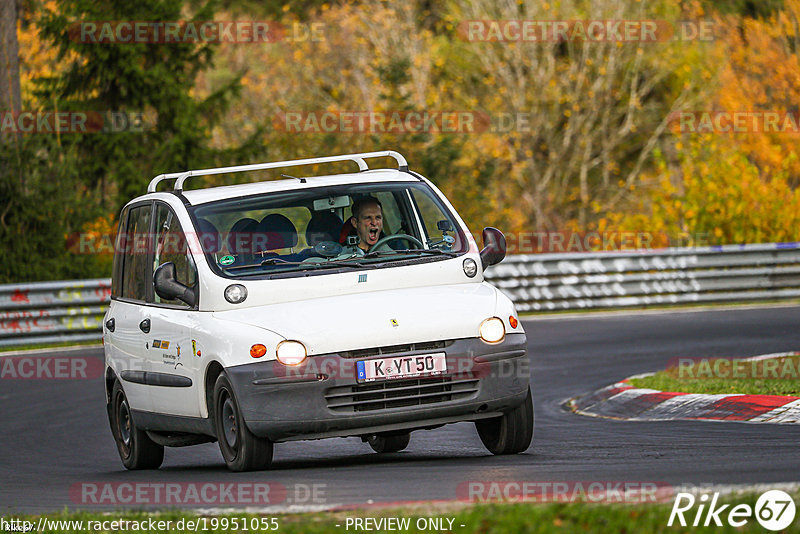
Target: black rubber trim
[
  {"x": 182, "y": 198},
  {"x": 412, "y": 173},
  {"x": 158, "y": 422},
  {"x": 281, "y": 381},
  {"x": 500, "y": 356},
  {"x": 150, "y": 378}
]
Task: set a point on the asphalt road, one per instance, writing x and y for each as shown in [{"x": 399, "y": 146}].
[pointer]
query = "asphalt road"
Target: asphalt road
[{"x": 54, "y": 433}]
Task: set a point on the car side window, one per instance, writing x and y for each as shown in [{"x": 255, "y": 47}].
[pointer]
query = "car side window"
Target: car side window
[
  {"x": 171, "y": 246},
  {"x": 135, "y": 277},
  {"x": 436, "y": 223}
]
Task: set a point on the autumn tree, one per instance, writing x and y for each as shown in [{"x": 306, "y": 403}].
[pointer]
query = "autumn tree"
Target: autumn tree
[
  {"x": 76, "y": 182},
  {"x": 716, "y": 185},
  {"x": 152, "y": 78},
  {"x": 593, "y": 110}
]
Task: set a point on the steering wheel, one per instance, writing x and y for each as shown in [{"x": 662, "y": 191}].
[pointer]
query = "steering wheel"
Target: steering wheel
[{"x": 405, "y": 237}]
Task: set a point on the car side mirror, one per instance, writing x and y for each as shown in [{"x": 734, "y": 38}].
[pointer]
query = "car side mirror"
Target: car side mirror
[
  {"x": 168, "y": 288},
  {"x": 494, "y": 247}
]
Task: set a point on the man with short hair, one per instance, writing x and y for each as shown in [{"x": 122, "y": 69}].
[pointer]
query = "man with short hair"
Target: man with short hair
[{"x": 367, "y": 219}]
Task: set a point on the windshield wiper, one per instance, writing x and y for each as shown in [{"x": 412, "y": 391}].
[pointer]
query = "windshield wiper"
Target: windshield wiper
[
  {"x": 275, "y": 260},
  {"x": 434, "y": 251},
  {"x": 250, "y": 266},
  {"x": 305, "y": 265},
  {"x": 335, "y": 263},
  {"x": 351, "y": 262},
  {"x": 313, "y": 265}
]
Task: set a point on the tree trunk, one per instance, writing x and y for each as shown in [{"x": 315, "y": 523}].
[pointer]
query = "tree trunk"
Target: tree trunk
[
  {"x": 9, "y": 90},
  {"x": 9, "y": 57}
]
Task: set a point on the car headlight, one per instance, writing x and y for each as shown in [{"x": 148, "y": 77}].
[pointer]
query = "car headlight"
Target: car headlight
[
  {"x": 492, "y": 330},
  {"x": 291, "y": 352}
]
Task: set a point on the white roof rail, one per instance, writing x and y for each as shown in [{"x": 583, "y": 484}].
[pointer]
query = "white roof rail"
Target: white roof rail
[{"x": 181, "y": 177}]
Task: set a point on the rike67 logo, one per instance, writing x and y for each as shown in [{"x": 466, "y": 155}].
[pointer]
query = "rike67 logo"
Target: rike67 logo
[{"x": 774, "y": 510}]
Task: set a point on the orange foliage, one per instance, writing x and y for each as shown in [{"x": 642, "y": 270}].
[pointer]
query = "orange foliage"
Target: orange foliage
[
  {"x": 573, "y": 169},
  {"x": 763, "y": 74},
  {"x": 741, "y": 187},
  {"x": 722, "y": 198},
  {"x": 37, "y": 57}
]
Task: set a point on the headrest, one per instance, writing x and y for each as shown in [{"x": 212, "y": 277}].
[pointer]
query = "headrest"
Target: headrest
[
  {"x": 279, "y": 232},
  {"x": 323, "y": 226},
  {"x": 240, "y": 237},
  {"x": 209, "y": 237}
]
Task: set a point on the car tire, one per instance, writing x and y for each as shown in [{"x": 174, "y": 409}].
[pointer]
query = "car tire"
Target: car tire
[
  {"x": 510, "y": 433},
  {"x": 241, "y": 449},
  {"x": 135, "y": 447},
  {"x": 382, "y": 443}
]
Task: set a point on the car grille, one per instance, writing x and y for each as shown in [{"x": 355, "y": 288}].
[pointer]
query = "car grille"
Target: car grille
[
  {"x": 398, "y": 393},
  {"x": 394, "y": 349}
]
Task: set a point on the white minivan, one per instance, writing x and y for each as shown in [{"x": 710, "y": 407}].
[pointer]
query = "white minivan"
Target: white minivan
[{"x": 306, "y": 308}]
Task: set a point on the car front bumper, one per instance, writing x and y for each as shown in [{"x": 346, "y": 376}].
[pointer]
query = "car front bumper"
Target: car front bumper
[{"x": 321, "y": 398}]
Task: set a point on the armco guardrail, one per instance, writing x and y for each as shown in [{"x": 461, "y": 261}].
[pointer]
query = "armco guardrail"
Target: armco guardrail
[
  {"x": 657, "y": 277},
  {"x": 73, "y": 311},
  {"x": 49, "y": 312}
]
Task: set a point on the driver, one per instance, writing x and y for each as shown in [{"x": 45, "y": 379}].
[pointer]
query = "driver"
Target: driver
[{"x": 367, "y": 219}]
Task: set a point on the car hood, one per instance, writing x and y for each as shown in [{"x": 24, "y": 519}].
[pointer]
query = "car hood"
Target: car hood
[{"x": 377, "y": 318}]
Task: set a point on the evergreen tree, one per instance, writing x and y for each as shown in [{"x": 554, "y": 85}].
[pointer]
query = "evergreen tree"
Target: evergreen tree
[
  {"x": 154, "y": 79},
  {"x": 53, "y": 186}
]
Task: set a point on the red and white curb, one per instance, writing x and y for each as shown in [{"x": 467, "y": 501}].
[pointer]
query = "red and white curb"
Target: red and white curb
[{"x": 623, "y": 401}]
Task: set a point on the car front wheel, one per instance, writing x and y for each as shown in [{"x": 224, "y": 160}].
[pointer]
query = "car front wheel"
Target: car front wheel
[
  {"x": 241, "y": 450},
  {"x": 136, "y": 449},
  {"x": 510, "y": 433}
]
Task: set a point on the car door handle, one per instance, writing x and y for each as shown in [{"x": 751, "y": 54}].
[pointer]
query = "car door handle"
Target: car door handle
[
  {"x": 144, "y": 326},
  {"x": 110, "y": 324}
]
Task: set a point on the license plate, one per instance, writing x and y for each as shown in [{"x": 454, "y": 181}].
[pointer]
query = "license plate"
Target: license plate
[{"x": 401, "y": 367}]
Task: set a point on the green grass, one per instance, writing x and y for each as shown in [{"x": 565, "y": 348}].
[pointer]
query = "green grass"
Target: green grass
[
  {"x": 481, "y": 518},
  {"x": 776, "y": 376}
]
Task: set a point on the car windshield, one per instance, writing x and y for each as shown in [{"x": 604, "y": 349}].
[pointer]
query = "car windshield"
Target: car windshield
[{"x": 330, "y": 228}]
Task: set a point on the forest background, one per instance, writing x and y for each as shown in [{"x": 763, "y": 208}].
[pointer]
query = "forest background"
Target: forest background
[{"x": 561, "y": 138}]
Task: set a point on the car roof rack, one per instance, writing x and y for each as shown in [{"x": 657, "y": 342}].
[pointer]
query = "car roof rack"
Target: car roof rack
[{"x": 181, "y": 177}]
